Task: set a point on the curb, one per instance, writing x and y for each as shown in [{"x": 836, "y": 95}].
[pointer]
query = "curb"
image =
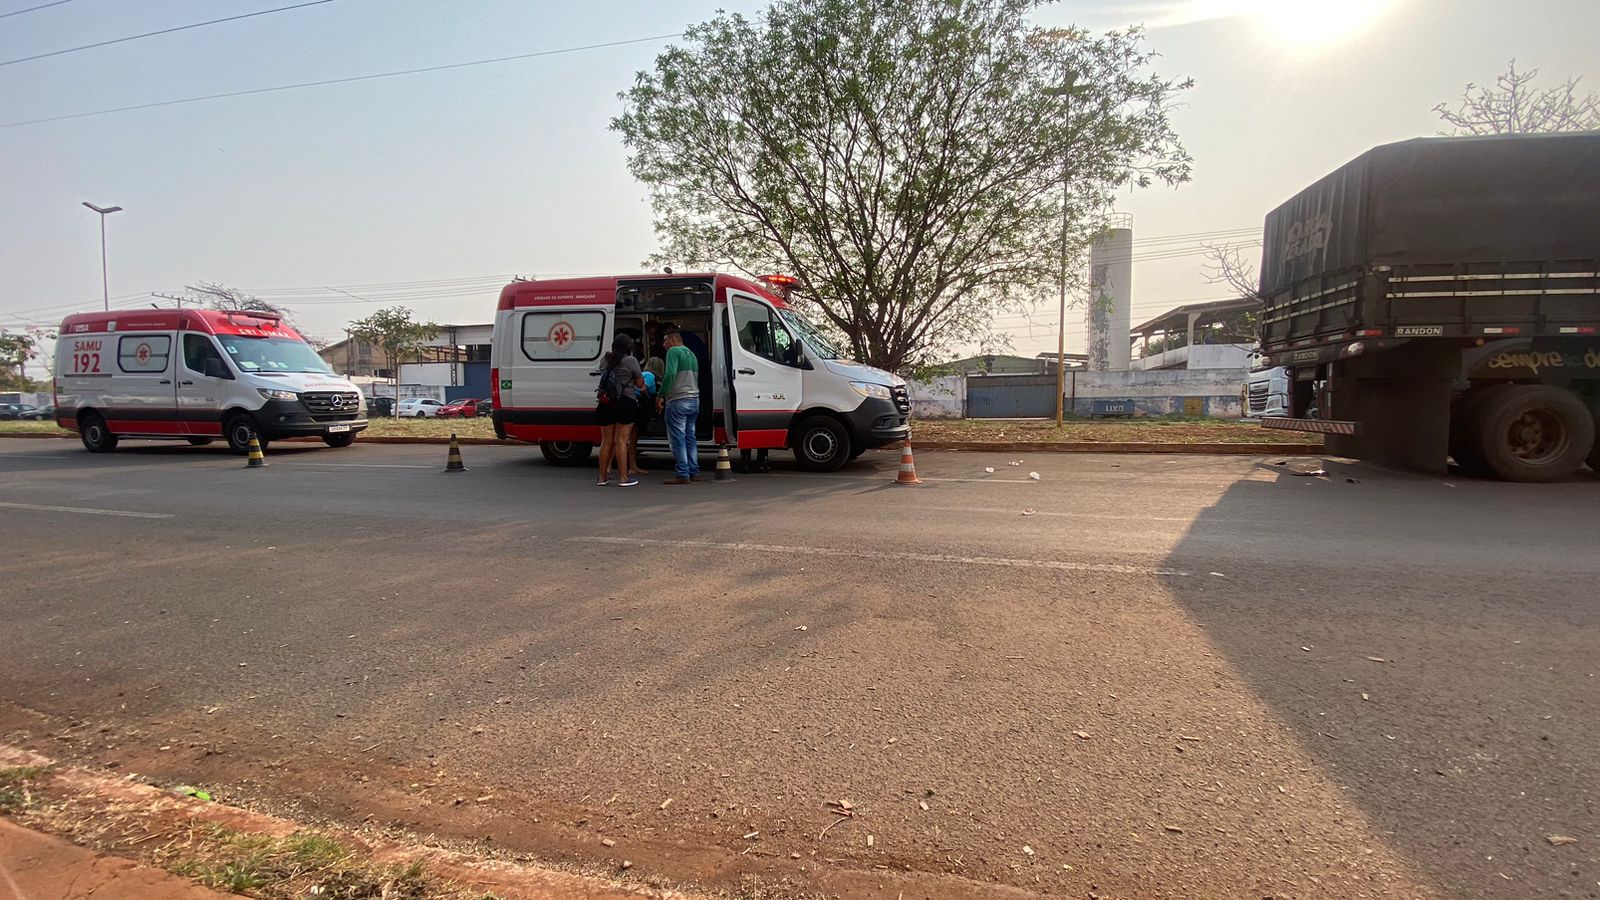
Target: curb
[{"x": 1214, "y": 449}]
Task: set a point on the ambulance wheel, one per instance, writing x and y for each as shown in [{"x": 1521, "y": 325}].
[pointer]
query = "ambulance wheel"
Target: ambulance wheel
[
  {"x": 97, "y": 438},
  {"x": 239, "y": 430},
  {"x": 200, "y": 441},
  {"x": 821, "y": 444},
  {"x": 565, "y": 453},
  {"x": 1594, "y": 454}
]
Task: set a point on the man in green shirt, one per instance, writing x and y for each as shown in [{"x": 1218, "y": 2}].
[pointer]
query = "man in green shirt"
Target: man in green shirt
[{"x": 680, "y": 406}]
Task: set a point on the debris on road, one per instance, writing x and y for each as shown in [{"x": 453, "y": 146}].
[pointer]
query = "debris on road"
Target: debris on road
[
  {"x": 1376, "y": 659},
  {"x": 1027, "y": 850},
  {"x": 989, "y": 469},
  {"x": 1219, "y": 574},
  {"x": 752, "y": 835},
  {"x": 922, "y": 805},
  {"x": 1173, "y": 828},
  {"x": 800, "y": 628},
  {"x": 1559, "y": 840},
  {"x": 1306, "y": 649},
  {"x": 665, "y": 803},
  {"x": 1082, "y": 735},
  {"x": 1313, "y": 473},
  {"x": 869, "y": 840},
  {"x": 1034, "y": 475},
  {"x": 608, "y": 842},
  {"x": 1028, "y": 511}
]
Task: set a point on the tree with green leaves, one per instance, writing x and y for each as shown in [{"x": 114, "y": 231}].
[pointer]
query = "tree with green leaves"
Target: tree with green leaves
[
  {"x": 17, "y": 349},
  {"x": 1516, "y": 106},
  {"x": 397, "y": 334},
  {"x": 918, "y": 165}
]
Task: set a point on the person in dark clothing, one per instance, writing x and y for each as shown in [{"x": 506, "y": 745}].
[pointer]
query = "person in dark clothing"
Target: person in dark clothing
[{"x": 617, "y": 408}]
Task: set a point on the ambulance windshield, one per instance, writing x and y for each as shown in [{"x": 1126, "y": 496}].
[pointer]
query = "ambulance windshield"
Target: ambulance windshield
[
  {"x": 268, "y": 356},
  {"x": 815, "y": 341}
]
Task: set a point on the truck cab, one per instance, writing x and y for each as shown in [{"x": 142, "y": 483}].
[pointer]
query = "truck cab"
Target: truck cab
[{"x": 769, "y": 379}]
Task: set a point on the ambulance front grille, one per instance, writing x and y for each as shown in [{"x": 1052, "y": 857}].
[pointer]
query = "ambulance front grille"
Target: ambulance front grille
[{"x": 331, "y": 401}]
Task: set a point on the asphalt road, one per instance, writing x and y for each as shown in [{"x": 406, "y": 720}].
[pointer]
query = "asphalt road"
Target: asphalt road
[{"x": 1178, "y": 676}]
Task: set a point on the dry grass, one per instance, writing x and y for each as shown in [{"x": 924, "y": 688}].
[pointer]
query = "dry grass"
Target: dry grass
[
  {"x": 13, "y": 426},
  {"x": 436, "y": 428},
  {"x": 307, "y": 863},
  {"x": 1174, "y": 430}
]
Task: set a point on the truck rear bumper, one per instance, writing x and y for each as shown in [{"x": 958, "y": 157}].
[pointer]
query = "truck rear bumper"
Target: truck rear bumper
[{"x": 1320, "y": 426}]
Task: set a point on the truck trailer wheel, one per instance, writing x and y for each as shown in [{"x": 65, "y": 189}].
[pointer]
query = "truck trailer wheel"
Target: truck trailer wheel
[
  {"x": 565, "y": 453},
  {"x": 821, "y": 444},
  {"x": 1466, "y": 429},
  {"x": 1594, "y": 454},
  {"x": 97, "y": 438},
  {"x": 1534, "y": 432}
]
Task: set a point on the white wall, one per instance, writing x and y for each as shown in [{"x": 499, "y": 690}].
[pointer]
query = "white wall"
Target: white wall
[
  {"x": 427, "y": 373},
  {"x": 1162, "y": 391},
  {"x": 944, "y": 397}
]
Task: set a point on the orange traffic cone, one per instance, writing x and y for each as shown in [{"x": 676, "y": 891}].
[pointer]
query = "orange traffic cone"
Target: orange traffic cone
[{"x": 908, "y": 467}]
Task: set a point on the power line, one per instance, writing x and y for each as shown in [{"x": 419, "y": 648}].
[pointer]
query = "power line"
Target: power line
[
  {"x": 135, "y": 37},
  {"x": 332, "y": 81},
  {"x": 30, "y": 9}
]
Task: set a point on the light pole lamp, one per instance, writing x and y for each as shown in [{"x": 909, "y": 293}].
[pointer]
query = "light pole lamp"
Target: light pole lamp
[
  {"x": 1067, "y": 90},
  {"x": 105, "y": 282}
]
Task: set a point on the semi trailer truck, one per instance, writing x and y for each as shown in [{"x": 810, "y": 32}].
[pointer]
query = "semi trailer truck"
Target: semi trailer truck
[{"x": 1438, "y": 299}]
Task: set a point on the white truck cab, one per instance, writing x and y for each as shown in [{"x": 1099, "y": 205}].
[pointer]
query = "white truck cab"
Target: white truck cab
[
  {"x": 1266, "y": 389},
  {"x": 197, "y": 375},
  {"x": 768, "y": 378}
]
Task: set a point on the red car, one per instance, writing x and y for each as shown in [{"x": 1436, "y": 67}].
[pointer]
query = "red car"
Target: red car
[{"x": 461, "y": 409}]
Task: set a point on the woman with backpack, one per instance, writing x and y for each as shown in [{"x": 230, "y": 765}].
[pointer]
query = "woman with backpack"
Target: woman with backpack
[{"x": 617, "y": 407}]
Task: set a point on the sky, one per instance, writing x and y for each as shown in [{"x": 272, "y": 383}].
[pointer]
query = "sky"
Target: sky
[{"x": 428, "y": 190}]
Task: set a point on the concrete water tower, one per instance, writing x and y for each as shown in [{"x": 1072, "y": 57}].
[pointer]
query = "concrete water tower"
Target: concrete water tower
[{"x": 1109, "y": 313}]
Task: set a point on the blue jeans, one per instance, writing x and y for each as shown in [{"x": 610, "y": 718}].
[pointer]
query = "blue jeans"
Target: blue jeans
[{"x": 680, "y": 415}]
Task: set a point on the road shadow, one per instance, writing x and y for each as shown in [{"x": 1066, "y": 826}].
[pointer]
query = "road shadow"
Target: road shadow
[{"x": 1430, "y": 643}]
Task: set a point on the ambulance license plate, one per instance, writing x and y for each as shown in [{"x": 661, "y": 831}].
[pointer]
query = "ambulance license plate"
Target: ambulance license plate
[{"x": 335, "y": 429}]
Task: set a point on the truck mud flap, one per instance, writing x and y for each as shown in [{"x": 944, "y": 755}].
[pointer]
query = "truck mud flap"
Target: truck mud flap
[{"x": 1320, "y": 426}]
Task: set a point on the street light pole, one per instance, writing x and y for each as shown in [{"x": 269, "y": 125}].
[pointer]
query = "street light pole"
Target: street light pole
[
  {"x": 105, "y": 280},
  {"x": 1066, "y": 91}
]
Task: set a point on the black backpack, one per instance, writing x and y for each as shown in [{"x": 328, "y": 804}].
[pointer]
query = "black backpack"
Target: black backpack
[{"x": 609, "y": 391}]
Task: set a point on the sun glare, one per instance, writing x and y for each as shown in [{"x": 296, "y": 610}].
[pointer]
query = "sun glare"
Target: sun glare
[{"x": 1318, "y": 21}]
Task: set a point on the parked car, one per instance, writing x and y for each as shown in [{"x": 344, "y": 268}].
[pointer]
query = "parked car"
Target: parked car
[
  {"x": 459, "y": 409},
  {"x": 485, "y": 407},
  {"x": 420, "y": 408},
  {"x": 380, "y": 406},
  {"x": 10, "y": 411},
  {"x": 38, "y": 413}
]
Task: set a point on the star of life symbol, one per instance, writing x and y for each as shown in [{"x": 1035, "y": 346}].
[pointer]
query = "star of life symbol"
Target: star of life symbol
[
  {"x": 143, "y": 353},
  {"x": 560, "y": 336}
]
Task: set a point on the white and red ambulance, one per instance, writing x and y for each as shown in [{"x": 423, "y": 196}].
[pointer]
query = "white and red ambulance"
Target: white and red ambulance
[
  {"x": 769, "y": 379},
  {"x": 197, "y": 375}
]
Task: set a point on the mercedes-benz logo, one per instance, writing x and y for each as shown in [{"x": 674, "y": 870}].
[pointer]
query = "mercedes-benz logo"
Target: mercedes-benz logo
[{"x": 337, "y": 401}]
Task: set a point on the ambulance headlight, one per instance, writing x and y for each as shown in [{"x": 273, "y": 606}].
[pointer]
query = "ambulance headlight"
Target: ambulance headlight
[
  {"x": 271, "y": 394},
  {"x": 868, "y": 389}
]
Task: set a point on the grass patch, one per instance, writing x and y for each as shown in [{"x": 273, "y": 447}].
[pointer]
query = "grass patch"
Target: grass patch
[
  {"x": 16, "y": 426},
  {"x": 14, "y": 793},
  {"x": 1162, "y": 430},
  {"x": 303, "y": 864}
]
